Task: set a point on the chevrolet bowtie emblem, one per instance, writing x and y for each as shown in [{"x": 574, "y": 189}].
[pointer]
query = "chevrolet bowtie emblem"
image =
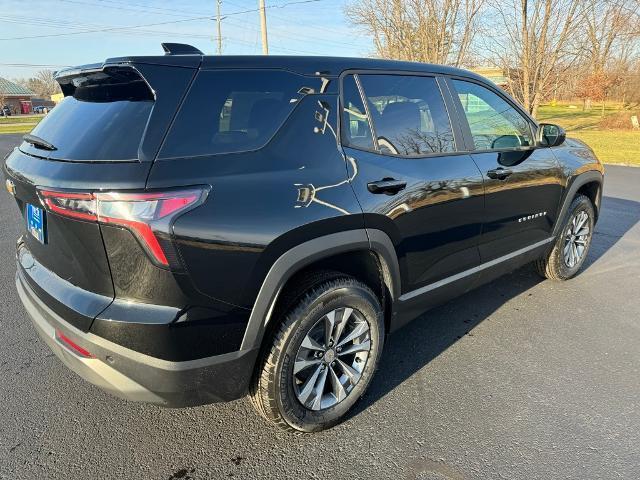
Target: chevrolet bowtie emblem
[{"x": 11, "y": 187}]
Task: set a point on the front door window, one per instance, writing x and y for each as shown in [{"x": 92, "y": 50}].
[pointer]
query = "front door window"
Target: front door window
[{"x": 494, "y": 123}]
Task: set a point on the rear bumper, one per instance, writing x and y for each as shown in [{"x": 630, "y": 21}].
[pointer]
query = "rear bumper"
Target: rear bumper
[{"x": 135, "y": 376}]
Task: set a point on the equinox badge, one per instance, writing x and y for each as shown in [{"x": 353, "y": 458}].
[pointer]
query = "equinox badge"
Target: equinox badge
[
  {"x": 11, "y": 187},
  {"x": 531, "y": 217}
]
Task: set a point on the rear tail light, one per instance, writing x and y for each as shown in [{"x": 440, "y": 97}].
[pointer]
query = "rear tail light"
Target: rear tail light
[
  {"x": 148, "y": 215},
  {"x": 75, "y": 205}
]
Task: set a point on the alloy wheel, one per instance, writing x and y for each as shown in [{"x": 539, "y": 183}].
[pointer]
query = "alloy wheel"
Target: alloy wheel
[
  {"x": 576, "y": 239},
  {"x": 331, "y": 358}
]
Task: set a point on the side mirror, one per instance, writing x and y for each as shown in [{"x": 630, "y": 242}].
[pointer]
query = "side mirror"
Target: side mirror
[
  {"x": 506, "y": 141},
  {"x": 550, "y": 135}
]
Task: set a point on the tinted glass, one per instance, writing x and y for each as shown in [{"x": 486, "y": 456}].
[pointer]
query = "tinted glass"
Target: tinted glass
[
  {"x": 409, "y": 115},
  {"x": 494, "y": 123},
  {"x": 232, "y": 111},
  {"x": 355, "y": 126},
  {"x": 94, "y": 131}
]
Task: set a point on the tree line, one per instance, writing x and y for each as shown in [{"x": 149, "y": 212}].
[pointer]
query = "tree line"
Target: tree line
[
  {"x": 43, "y": 84},
  {"x": 587, "y": 49}
]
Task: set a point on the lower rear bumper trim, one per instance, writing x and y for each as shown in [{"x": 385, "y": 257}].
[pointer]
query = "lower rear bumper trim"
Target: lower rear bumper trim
[{"x": 135, "y": 376}]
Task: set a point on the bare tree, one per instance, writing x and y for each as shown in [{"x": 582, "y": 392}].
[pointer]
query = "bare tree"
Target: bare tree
[
  {"x": 536, "y": 39},
  {"x": 48, "y": 84},
  {"x": 436, "y": 31},
  {"x": 43, "y": 84},
  {"x": 611, "y": 44},
  {"x": 610, "y": 32}
]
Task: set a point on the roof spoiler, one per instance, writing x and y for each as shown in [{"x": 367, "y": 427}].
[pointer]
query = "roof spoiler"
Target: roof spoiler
[{"x": 180, "y": 49}]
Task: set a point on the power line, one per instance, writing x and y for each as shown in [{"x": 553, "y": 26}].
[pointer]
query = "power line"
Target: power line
[
  {"x": 274, "y": 32},
  {"x": 128, "y": 9},
  {"x": 306, "y": 25},
  {"x": 316, "y": 39},
  {"x": 109, "y": 29},
  {"x": 127, "y": 27},
  {"x": 137, "y": 29},
  {"x": 80, "y": 26},
  {"x": 31, "y": 65},
  {"x": 172, "y": 12}
]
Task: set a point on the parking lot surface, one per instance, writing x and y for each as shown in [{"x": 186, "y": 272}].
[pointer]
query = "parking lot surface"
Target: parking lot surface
[{"x": 520, "y": 379}]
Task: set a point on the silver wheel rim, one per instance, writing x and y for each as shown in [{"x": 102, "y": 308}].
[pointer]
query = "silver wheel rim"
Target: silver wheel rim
[
  {"x": 576, "y": 239},
  {"x": 331, "y": 359}
]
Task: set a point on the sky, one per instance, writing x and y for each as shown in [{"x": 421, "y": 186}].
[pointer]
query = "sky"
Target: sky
[{"x": 59, "y": 37}]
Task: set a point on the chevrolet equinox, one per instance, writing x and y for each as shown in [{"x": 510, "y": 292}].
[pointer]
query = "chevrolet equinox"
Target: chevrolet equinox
[{"x": 202, "y": 227}]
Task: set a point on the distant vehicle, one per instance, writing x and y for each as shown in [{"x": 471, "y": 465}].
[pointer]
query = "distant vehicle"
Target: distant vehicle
[
  {"x": 42, "y": 109},
  {"x": 5, "y": 111},
  {"x": 197, "y": 228}
]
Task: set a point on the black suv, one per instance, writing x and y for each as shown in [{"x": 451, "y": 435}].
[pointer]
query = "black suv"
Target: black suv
[{"x": 199, "y": 227}]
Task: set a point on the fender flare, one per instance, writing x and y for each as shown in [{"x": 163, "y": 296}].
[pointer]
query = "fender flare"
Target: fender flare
[
  {"x": 305, "y": 254},
  {"x": 576, "y": 182}
]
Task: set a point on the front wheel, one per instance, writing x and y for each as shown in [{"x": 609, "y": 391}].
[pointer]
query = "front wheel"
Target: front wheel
[
  {"x": 572, "y": 245},
  {"x": 322, "y": 357}
]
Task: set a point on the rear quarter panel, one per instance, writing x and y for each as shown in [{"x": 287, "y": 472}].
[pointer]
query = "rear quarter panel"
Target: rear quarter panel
[{"x": 262, "y": 203}]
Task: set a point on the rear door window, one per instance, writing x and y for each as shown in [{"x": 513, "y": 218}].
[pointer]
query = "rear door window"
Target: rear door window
[
  {"x": 232, "y": 111},
  {"x": 409, "y": 115}
]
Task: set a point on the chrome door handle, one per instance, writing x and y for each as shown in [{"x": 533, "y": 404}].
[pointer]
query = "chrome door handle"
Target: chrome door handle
[
  {"x": 499, "y": 173},
  {"x": 388, "y": 186}
]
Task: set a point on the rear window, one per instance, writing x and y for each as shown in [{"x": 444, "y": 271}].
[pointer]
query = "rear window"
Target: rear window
[
  {"x": 102, "y": 117},
  {"x": 233, "y": 111}
]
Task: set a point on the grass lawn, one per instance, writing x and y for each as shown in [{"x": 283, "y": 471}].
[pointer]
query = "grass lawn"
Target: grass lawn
[
  {"x": 611, "y": 146},
  {"x": 576, "y": 118},
  {"x": 19, "y": 124},
  {"x": 16, "y": 127},
  {"x": 21, "y": 119}
]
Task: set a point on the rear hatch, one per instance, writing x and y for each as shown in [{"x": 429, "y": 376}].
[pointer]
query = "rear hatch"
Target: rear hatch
[{"x": 102, "y": 137}]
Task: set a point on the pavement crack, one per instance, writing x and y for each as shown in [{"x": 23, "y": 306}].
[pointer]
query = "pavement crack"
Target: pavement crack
[{"x": 12, "y": 449}]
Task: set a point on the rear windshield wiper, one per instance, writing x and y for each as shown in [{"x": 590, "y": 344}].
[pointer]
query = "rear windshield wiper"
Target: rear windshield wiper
[{"x": 38, "y": 142}]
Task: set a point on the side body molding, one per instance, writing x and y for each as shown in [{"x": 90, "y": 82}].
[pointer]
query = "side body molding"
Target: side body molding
[
  {"x": 308, "y": 252},
  {"x": 570, "y": 192}
]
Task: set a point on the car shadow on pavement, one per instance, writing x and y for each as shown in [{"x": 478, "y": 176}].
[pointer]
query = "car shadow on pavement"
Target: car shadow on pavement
[{"x": 434, "y": 332}]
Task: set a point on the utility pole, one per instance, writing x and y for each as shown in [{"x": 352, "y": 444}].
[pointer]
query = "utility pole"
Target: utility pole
[
  {"x": 263, "y": 26},
  {"x": 218, "y": 19}
]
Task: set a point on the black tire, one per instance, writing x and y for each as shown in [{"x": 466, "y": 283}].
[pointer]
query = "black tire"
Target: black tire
[
  {"x": 554, "y": 266},
  {"x": 273, "y": 392}
]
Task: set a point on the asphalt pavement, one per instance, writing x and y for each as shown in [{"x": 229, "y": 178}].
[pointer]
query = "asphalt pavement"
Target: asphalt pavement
[{"x": 520, "y": 379}]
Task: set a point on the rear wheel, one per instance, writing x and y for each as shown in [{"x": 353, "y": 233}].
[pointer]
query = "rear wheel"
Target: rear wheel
[
  {"x": 321, "y": 358},
  {"x": 570, "y": 250}
]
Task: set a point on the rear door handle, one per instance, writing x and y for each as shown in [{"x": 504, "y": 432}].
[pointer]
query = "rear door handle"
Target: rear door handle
[
  {"x": 387, "y": 186},
  {"x": 499, "y": 173}
]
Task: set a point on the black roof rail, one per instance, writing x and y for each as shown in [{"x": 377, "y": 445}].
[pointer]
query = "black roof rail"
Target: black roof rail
[{"x": 180, "y": 49}]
